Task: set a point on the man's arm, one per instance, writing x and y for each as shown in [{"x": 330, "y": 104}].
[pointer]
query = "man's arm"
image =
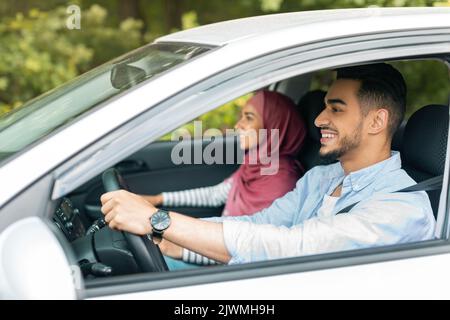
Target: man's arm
[
  {"x": 281, "y": 212},
  {"x": 385, "y": 219},
  {"x": 130, "y": 212},
  {"x": 203, "y": 237}
]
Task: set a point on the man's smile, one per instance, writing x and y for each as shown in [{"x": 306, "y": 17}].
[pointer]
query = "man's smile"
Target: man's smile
[{"x": 327, "y": 136}]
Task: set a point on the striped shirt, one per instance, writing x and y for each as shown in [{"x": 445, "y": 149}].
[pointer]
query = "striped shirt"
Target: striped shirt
[{"x": 214, "y": 196}]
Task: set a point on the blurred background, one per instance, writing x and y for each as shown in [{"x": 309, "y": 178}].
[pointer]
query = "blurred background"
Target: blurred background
[{"x": 38, "y": 52}]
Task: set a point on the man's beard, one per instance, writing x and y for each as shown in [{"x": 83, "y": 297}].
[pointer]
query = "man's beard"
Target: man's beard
[{"x": 348, "y": 143}]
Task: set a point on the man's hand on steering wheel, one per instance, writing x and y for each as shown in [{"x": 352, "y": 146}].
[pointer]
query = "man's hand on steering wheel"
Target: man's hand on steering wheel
[{"x": 126, "y": 211}]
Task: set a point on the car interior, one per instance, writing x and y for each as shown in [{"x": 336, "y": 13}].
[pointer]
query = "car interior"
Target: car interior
[{"x": 101, "y": 252}]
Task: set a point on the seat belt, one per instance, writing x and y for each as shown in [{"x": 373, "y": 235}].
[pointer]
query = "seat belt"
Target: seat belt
[{"x": 426, "y": 185}]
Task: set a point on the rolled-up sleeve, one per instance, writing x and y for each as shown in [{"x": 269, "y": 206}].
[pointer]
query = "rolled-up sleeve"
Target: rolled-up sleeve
[
  {"x": 384, "y": 220},
  {"x": 247, "y": 242}
]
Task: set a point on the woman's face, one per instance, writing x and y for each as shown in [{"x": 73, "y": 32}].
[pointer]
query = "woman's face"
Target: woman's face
[{"x": 248, "y": 127}]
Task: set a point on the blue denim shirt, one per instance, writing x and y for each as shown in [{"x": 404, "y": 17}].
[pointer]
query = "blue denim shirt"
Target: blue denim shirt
[{"x": 293, "y": 225}]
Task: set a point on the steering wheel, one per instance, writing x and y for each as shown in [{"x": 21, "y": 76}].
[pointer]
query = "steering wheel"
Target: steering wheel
[{"x": 147, "y": 254}]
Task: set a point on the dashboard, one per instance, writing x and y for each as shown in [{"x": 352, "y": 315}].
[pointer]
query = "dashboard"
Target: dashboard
[
  {"x": 99, "y": 252},
  {"x": 67, "y": 218}
]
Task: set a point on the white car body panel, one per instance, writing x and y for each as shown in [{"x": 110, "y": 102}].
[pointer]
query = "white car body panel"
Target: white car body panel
[
  {"x": 284, "y": 28},
  {"x": 418, "y": 278},
  {"x": 37, "y": 271}
]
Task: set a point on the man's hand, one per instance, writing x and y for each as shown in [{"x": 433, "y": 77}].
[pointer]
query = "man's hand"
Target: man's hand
[
  {"x": 130, "y": 212},
  {"x": 127, "y": 211}
]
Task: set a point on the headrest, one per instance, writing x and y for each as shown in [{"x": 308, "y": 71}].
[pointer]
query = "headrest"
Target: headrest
[
  {"x": 425, "y": 140},
  {"x": 310, "y": 106}
]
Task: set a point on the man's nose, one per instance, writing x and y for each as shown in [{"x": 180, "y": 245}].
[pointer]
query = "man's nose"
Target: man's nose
[{"x": 321, "y": 120}]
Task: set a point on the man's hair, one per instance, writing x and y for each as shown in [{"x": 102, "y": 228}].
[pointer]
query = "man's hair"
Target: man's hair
[{"x": 382, "y": 86}]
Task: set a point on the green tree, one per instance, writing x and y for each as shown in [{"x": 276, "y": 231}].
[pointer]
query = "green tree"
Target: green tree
[{"x": 40, "y": 53}]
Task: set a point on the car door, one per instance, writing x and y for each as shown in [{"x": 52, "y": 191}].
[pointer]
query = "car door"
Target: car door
[
  {"x": 314, "y": 274},
  {"x": 413, "y": 278}
]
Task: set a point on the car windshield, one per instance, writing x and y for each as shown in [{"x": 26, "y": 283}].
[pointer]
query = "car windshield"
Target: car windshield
[{"x": 46, "y": 113}]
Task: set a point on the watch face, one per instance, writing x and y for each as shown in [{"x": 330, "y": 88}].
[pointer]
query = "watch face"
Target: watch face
[{"x": 160, "y": 221}]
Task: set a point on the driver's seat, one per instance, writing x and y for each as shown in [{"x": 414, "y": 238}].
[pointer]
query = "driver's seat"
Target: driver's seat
[{"x": 424, "y": 146}]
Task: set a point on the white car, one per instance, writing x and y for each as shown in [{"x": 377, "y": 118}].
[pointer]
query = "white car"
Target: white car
[{"x": 55, "y": 148}]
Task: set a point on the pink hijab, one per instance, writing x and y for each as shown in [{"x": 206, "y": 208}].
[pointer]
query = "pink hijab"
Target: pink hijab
[{"x": 251, "y": 191}]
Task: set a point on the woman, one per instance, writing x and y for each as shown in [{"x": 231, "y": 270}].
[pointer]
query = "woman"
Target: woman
[{"x": 250, "y": 189}]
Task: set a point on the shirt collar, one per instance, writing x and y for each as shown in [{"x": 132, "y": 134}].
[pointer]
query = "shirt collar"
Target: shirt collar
[{"x": 360, "y": 179}]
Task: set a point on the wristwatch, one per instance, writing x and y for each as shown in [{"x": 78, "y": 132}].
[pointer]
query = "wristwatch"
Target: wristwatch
[{"x": 159, "y": 221}]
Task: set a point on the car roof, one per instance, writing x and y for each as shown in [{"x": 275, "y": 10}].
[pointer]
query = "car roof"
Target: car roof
[{"x": 266, "y": 26}]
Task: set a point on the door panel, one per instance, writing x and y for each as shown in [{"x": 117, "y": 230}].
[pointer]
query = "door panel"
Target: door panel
[
  {"x": 397, "y": 279},
  {"x": 152, "y": 170}
]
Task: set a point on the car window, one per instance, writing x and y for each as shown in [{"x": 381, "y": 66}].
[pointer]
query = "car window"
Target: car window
[
  {"x": 213, "y": 123},
  {"x": 41, "y": 116},
  {"x": 427, "y": 82}
]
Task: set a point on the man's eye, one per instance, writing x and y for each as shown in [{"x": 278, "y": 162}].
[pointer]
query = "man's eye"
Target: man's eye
[{"x": 335, "y": 110}]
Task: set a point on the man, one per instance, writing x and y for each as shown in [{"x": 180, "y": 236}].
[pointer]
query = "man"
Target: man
[{"x": 364, "y": 107}]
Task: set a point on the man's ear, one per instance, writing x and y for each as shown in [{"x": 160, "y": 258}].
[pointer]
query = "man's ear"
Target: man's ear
[{"x": 379, "y": 121}]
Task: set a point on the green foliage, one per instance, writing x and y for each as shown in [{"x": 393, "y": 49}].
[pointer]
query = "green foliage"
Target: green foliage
[
  {"x": 189, "y": 20},
  {"x": 222, "y": 118},
  {"x": 427, "y": 82},
  {"x": 295, "y": 5},
  {"x": 271, "y": 5},
  {"x": 40, "y": 53}
]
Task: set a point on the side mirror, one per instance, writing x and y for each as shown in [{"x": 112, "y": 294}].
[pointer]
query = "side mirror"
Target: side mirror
[
  {"x": 125, "y": 76},
  {"x": 34, "y": 264}
]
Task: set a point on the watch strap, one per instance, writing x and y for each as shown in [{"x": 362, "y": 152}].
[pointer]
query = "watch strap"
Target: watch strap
[{"x": 156, "y": 234}]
